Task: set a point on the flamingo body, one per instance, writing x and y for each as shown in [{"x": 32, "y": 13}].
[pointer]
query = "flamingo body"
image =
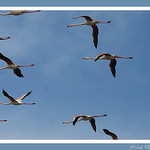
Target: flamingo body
[
  {"x": 89, "y": 21},
  {"x": 85, "y": 118},
  {"x": 17, "y": 101},
  {"x": 110, "y": 57},
  {"x": 11, "y": 65}
]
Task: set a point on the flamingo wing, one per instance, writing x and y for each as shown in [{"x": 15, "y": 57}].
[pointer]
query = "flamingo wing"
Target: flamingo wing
[
  {"x": 10, "y": 98},
  {"x": 95, "y": 34},
  {"x": 86, "y": 17},
  {"x": 7, "y": 60},
  {"x": 92, "y": 121},
  {"x": 111, "y": 134},
  {"x": 17, "y": 71},
  {"x": 75, "y": 119},
  {"x": 100, "y": 55},
  {"x": 112, "y": 66},
  {"x": 22, "y": 97}
]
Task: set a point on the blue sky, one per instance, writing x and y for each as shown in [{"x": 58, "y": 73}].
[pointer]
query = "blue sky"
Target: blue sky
[{"x": 65, "y": 85}]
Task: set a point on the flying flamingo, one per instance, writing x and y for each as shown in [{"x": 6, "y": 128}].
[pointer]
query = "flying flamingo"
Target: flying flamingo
[
  {"x": 18, "y": 12},
  {"x": 110, "y": 57},
  {"x": 85, "y": 118},
  {"x": 89, "y": 21},
  {"x": 111, "y": 134},
  {"x": 17, "y": 101},
  {"x": 4, "y": 38},
  {"x": 11, "y": 65}
]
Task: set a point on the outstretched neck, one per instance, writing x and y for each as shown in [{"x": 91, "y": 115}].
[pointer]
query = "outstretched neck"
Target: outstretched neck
[
  {"x": 3, "y": 14},
  {"x": 71, "y": 25},
  {"x": 5, "y": 103},
  {"x": 86, "y": 58},
  {"x": 3, "y": 68},
  {"x": 65, "y": 122}
]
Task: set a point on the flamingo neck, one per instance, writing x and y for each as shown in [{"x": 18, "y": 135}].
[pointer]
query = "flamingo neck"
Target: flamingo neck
[
  {"x": 3, "y": 68},
  {"x": 71, "y": 25},
  {"x": 65, "y": 122},
  {"x": 5, "y": 14},
  {"x": 5, "y": 103},
  {"x": 86, "y": 58}
]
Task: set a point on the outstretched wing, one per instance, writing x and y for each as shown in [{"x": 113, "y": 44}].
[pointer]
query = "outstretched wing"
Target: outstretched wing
[
  {"x": 111, "y": 134},
  {"x": 7, "y": 60},
  {"x": 100, "y": 55},
  {"x": 75, "y": 119},
  {"x": 86, "y": 17},
  {"x": 92, "y": 121},
  {"x": 112, "y": 66},
  {"x": 22, "y": 97},
  {"x": 10, "y": 98},
  {"x": 95, "y": 35},
  {"x": 17, "y": 71}
]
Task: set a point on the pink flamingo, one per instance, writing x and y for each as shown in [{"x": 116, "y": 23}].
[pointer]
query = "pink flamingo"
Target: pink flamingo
[
  {"x": 114, "y": 137},
  {"x": 17, "y": 101},
  {"x": 85, "y": 118},
  {"x": 18, "y": 12},
  {"x": 110, "y": 57},
  {"x": 11, "y": 65},
  {"x": 4, "y": 38},
  {"x": 89, "y": 21}
]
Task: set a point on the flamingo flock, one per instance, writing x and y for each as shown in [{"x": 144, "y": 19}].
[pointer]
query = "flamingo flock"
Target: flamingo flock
[{"x": 103, "y": 56}]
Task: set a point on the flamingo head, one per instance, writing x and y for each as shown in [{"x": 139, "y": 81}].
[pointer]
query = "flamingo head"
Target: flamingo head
[
  {"x": 85, "y": 58},
  {"x": 69, "y": 25}
]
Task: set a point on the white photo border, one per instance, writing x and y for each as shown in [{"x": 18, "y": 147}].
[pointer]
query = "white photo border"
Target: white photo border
[{"x": 78, "y": 8}]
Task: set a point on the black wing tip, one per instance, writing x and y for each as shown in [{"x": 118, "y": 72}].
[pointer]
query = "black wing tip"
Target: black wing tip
[{"x": 3, "y": 91}]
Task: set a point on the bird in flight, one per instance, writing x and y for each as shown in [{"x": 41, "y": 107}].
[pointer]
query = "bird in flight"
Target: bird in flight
[
  {"x": 4, "y": 38},
  {"x": 110, "y": 57},
  {"x": 85, "y": 118},
  {"x": 17, "y": 101},
  {"x": 114, "y": 137},
  {"x": 18, "y": 12},
  {"x": 11, "y": 65},
  {"x": 89, "y": 21}
]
